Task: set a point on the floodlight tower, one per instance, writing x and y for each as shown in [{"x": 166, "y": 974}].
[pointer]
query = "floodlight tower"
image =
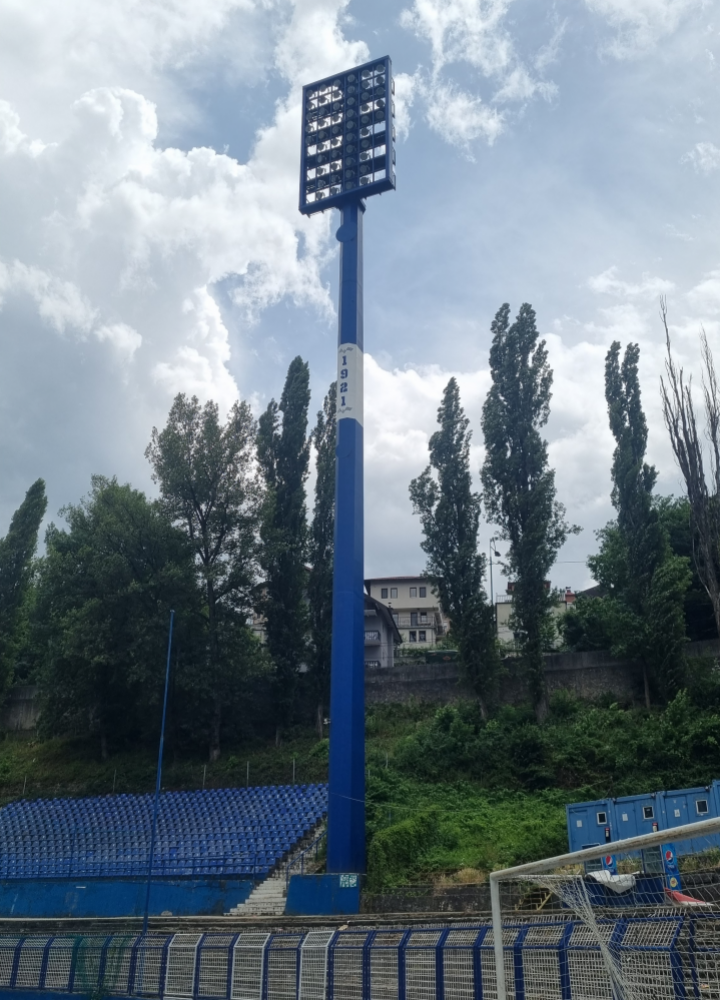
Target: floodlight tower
[{"x": 348, "y": 153}]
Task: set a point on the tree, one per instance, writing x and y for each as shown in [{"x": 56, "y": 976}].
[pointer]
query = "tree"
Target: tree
[
  {"x": 105, "y": 590},
  {"x": 703, "y": 497},
  {"x": 321, "y": 550},
  {"x": 518, "y": 485},
  {"x": 636, "y": 563},
  {"x": 17, "y": 551},
  {"x": 283, "y": 455},
  {"x": 208, "y": 487},
  {"x": 449, "y": 513}
]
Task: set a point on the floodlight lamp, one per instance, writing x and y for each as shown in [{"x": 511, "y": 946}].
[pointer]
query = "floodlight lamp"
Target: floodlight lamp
[{"x": 358, "y": 108}]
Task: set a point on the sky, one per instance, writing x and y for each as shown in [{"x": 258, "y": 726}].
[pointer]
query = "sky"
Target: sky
[{"x": 564, "y": 153}]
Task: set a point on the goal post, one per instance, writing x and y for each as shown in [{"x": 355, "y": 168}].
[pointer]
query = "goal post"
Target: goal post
[{"x": 646, "y": 878}]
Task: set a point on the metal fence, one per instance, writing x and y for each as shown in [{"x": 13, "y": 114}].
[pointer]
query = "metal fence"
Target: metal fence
[{"x": 665, "y": 957}]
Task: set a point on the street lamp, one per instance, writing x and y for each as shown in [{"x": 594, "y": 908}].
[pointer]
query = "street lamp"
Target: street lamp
[
  {"x": 493, "y": 552},
  {"x": 348, "y": 154}
]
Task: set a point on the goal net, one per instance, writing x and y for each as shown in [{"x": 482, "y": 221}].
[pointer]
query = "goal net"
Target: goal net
[{"x": 631, "y": 920}]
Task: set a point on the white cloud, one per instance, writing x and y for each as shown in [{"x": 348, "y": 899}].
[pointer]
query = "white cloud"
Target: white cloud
[
  {"x": 51, "y": 52},
  {"x": 704, "y": 156},
  {"x": 474, "y": 32},
  {"x": 113, "y": 245},
  {"x": 461, "y": 118},
  {"x": 641, "y": 24},
  {"x": 649, "y": 287}
]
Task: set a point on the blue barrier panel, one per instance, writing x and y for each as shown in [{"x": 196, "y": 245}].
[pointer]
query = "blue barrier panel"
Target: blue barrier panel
[
  {"x": 322, "y": 895},
  {"x": 120, "y": 897}
]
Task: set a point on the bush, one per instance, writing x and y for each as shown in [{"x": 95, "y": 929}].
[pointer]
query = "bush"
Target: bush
[{"x": 397, "y": 852}]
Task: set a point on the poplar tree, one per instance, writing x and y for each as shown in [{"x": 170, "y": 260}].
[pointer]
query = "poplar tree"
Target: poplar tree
[
  {"x": 643, "y": 578},
  {"x": 322, "y": 548},
  {"x": 519, "y": 491},
  {"x": 17, "y": 550},
  {"x": 283, "y": 451},
  {"x": 449, "y": 513}
]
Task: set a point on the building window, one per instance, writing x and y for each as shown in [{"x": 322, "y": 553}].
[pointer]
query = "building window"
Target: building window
[
  {"x": 413, "y": 617},
  {"x": 423, "y": 591},
  {"x": 393, "y": 591},
  {"x": 422, "y": 636},
  {"x": 413, "y": 637},
  {"x": 372, "y": 636},
  {"x": 701, "y": 806},
  {"x": 396, "y": 618},
  {"x": 383, "y": 592},
  {"x": 602, "y": 819},
  {"x": 648, "y": 812},
  {"x": 413, "y": 591},
  {"x": 423, "y": 618},
  {"x": 372, "y": 663}
]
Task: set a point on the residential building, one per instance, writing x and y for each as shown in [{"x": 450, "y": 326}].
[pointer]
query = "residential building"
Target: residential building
[
  {"x": 381, "y": 634},
  {"x": 504, "y": 608},
  {"x": 414, "y": 606}
]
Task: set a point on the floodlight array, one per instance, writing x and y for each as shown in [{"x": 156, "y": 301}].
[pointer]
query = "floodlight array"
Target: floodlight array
[{"x": 348, "y": 137}]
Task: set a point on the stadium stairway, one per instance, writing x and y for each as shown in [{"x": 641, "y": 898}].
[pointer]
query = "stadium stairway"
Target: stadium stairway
[{"x": 268, "y": 898}]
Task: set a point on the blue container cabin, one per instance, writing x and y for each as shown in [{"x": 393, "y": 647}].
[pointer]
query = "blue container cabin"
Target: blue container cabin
[
  {"x": 590, "y": 824},
  {"x": 690, "y": 805}
]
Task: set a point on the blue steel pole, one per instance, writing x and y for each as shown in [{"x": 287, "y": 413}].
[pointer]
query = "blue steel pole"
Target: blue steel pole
[
  {"x": 346, "y": 805},
  {"x": 158, "y": 779}
]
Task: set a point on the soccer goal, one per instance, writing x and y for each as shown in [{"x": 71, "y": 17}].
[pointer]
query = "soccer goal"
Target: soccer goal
[{"x": 631, "y": 920}]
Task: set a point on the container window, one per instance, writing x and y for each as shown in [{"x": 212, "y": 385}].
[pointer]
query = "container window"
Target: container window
[
  {"x": 648, "y": 812},
  {"x": 602, "y": 818},
  {"x": 702, "y": 807}
]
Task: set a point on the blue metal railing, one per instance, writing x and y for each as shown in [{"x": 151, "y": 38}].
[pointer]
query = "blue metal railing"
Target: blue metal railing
[{"x": 673, "y": 957}]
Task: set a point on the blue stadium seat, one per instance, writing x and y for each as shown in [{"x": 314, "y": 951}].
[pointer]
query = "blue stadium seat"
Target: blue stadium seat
[{"x": 217, "y": 831}]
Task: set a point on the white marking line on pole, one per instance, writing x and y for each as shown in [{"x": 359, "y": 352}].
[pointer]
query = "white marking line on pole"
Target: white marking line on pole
[{"x": 350, "y": 383}]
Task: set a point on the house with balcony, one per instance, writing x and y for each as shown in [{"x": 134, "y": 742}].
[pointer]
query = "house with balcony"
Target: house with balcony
[
  {"x": 381, "y": 634},
  {"x": 414, "y": 606}
]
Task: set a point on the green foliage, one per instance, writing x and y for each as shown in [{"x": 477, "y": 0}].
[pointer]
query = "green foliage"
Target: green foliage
[
  {"x": 676, "y": 520},
  {"x": 601, "y": 750},
  {"x": 208, "y": 489},
  {"x": 518, "y": 484},
  {"x": 105, "y": 589},
  {"x": 420, "y": 831},
  {"x": 283, "y": 454},
  {"x": 450, "y": 514},
  {"x": 400, "y": 851},
  {"x": 17, "y": 550},
  {"x": 321, "y": 550}
]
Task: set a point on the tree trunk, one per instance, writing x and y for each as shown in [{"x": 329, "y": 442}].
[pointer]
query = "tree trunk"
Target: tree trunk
[
  {"x": 319, "y": 720},
  {"x": 646, "y": 684},
  {"x": 484, "y": 714}
]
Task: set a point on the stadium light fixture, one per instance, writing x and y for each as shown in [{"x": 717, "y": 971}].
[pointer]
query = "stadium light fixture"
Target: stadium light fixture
[{"x": 347, "y": 155}]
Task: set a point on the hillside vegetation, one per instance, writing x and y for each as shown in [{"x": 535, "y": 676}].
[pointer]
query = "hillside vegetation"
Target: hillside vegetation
[{"x": 447, "y": 792}]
